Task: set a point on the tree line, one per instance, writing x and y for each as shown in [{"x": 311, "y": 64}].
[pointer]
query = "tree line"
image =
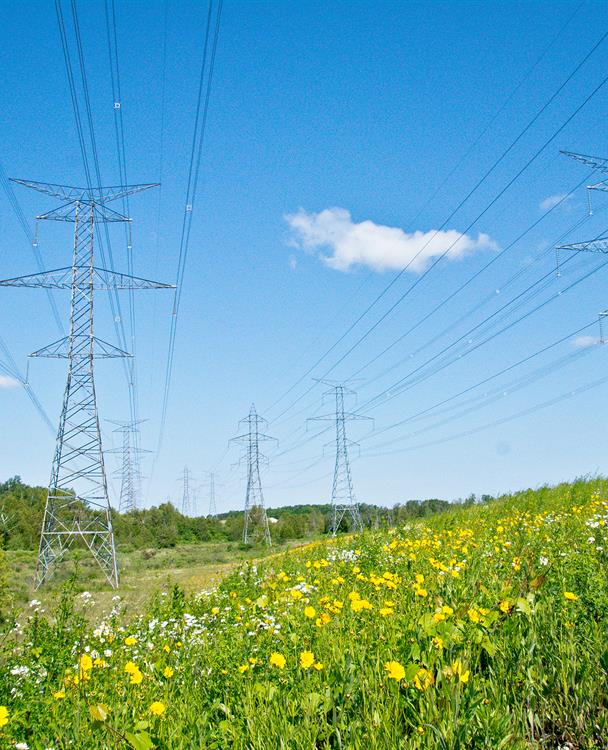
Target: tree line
[{"x": 22, "y": 508}]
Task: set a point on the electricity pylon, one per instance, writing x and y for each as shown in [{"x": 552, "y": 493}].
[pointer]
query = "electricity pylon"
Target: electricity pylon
[
  {"x": 343, "y": 499},
  {"x": 77, "y": 506},
  {"x": 256, "y": 526},
  {"x": 130, "y": 470},
  {"x": 212, "y": 506},
  {"x": 599, "y": 244},
  {"x": 210, "y": 486},
  {"x": 185, "y": 479}
]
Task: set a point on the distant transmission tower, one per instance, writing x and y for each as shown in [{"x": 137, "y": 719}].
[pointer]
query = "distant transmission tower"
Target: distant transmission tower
[
  {"x": 256, "y": 521},
  {"x": 342, "y": 495},
  {"x": 212, "y": 506},
  {"x": 130, "y": 470},
  {"x": 77, "y": 506},
  {"x": 599, "y": 244},
  {"x": 185, "y": 479}
]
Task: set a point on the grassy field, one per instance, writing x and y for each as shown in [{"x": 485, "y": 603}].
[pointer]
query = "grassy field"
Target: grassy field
[
  {"x": 484, "y": 627},
  {"x": 144, "y": 572}
]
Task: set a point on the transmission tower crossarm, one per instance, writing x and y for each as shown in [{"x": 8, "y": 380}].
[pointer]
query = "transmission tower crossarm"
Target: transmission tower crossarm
[
  {"x": 98, "y": 195},
  {"x": 598, "y": 245},
  {"x": 597, "y": 162}
]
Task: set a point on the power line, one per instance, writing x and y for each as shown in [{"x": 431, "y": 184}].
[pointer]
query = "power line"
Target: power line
[
  {"x": 198, "y": 138},
  {"x": 530, "y": 161}
]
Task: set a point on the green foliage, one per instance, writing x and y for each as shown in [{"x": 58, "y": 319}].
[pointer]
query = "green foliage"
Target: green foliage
[
  {"x": 165, "y": 527},
  {"x": 6, "y": 599},
  {"x": 482, "y": 627}
]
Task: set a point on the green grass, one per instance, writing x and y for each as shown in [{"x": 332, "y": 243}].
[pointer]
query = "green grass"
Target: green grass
[{"x": 480, "y": 628}]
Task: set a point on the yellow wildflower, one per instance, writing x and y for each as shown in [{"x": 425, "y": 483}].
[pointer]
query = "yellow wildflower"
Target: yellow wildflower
[
  {"x": 277, "y": 660},
  {"x": 3, "y": 716},
  {"x": 570, "y": 596},
  {"x": 474, "y": 615},
  {"x": 86, "y": 665},
  {"x": 386, "y": 611},
  {"x": 395, "y": 670},
  {"x": 423, "y": 679},
  {"x": 307, "y": 659},
  {"x": 504, "y": 606},
  {"x": 243, "y": 668},
  {"x": 130, "y": 640},
  {"x": 309, "y": 612},
  {"x": 318, "y": 666},
  {"x": 157, "y": 708},
  {"x": 58, "y": 695},
  {"x": 168, "y": 672}
]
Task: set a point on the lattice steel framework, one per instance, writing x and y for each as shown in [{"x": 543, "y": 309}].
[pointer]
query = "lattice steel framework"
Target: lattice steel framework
[
  {"x": 343, "y": 500},
  {"x": 185, "y": 479},
  {"x": 130, "y": 470},
  {"x": 598, "y": 244},
  {"x": 78, "y": 506},
  {"x": 212, "y": 506},
  {"x": 255, "y": 527}
]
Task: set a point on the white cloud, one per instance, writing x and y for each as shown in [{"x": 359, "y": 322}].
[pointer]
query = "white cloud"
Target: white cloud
[
  {"x": 293, "y": 262},
  {"x": 376, "y": 246},
  {"x": 6, "y": 382},
  {"x": 584, "y": 342},
  {"x": 551, "y": 201}
]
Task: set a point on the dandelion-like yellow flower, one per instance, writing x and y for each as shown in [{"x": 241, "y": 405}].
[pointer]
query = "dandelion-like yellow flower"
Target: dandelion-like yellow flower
[
  {"x": 571, "y": 597},
  {"x": 504, "y": 606},
  {"x": 59, "y": 695},
  {"x": 134, "y": 672},
  {"x": 168, "y": 672},
  {"x": 136, "y": 678},
  {"x": 474, "y": 615},
  {"x": 3, "y": 716},
  {"x": 86, "y": 663},
  {"x": 277, "y": 660},
  {"x": 386, "y": 611},
  {"x": 307, "y": 659},
  {"x": 130, "y": 640},
  {"x": 395, "y": 670},
  {"x": 243, "y": 668},
  {"x": 309, "y": 612},
  {"x": 318, "y": 666},
  {"x": 157, "y": 708},
  {"x": 423, "y": 679}
]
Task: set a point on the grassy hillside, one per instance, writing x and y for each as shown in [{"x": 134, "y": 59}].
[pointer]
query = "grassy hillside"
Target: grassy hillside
[{"x": 483, "y": 627}]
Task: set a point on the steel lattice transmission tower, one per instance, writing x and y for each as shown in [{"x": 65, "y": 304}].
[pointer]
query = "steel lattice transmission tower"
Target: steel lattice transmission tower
[
  {"x": 255, "y": 527},
  {"x": 77, "y": 506},
  {"x": 343, "y": 499},
  {"x": 599, "y": 244},
  {"x": 185, "y": 479},
  {"x": 211, "y": 489},
  {"x": 130, "y": 470},
  {"x": 212, "y": 505}
]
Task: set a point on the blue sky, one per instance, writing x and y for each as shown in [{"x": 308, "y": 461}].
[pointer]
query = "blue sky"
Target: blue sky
[{"x": 339, "y": 134}]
